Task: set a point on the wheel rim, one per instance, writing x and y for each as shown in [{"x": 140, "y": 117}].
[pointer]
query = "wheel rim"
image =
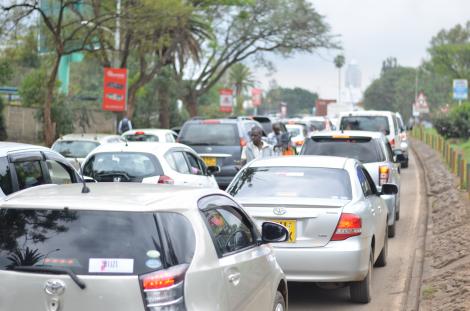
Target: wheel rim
[{"x": 279, "y": 307}]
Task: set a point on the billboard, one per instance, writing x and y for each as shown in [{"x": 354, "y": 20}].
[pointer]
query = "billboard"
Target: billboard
[
  {"x": 115, "y": 89},
  {"x": 460, "y": 89},
  {"x": 256, "y": 97},
  {"x": 226, "y": 100}
]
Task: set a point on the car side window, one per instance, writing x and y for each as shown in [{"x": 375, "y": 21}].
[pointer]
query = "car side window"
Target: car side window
[
  {"x": 389, "y": 151},
  {"x": 195, "y": 165},
  {"x": 169, "y": 138},
  {"x": 395, "y": 124},
  {"x": 180, "y": 163},
  {"x": 5, "y": 176},
  {"x": 58, "y": 173},
  {"x": 370, "y": 181},
  {"x": 29, "y": 174},
  {"x": 366, "y": 189},
  {"x": 229, "y": 228}
]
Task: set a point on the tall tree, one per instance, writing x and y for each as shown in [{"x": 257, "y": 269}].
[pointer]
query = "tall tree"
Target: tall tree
[
  {"x": 298, "y": 100},
  {"x": 241, "y": 78}
]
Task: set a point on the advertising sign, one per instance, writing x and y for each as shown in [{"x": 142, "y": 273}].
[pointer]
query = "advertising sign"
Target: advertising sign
[
  {"x": 115, "y": 89},
  {"x": 226, "y": 100},
  {"x": 421, "y": 105},
  {"x": 256, "y": 97},
  {"x": 460, "y": 89}
]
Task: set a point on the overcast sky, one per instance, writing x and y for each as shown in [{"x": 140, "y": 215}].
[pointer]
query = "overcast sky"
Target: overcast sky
[{"x": 370, "y": 31}]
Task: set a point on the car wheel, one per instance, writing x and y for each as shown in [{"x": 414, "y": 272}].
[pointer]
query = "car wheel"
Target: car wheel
[
  {"x": 382, "y": 260},
  {"x": 391, "y": 230},
  {"x": 279, "y": 302},
  {"x": 360, "y": 291}
]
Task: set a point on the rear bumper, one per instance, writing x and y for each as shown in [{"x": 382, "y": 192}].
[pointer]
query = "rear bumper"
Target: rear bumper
[{"x": 338, "y": 261}]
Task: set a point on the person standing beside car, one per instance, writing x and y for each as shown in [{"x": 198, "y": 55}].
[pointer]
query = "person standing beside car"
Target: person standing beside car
[
  {"x": 124, "y": 125},
  {"x": 256, "y": 148}
]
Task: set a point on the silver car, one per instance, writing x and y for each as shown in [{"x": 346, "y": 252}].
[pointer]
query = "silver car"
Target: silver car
[
  {"x": 135, "y": 247},
  {"x": 375, "y": 153},
  {"x": 336, "y": 219}
]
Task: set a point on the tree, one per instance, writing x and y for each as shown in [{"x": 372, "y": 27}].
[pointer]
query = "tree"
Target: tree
[
  {"x": 3, "y": 130},
  {"x": 261, "y": 26},
  {"x": 65, "y": 34},
  {"x": 241, "y": 77},
  {"x": 298, "y": 100},
  {"x": 339, "y": 63}
]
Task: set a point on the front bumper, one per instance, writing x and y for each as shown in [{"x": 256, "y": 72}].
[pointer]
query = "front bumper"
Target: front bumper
[{"x": 338, "y": 261}]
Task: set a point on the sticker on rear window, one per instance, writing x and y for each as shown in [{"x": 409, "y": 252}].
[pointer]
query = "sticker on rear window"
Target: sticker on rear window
[
  {"x": 290, "y": 174},
  {"x": 110, "y": 265}
]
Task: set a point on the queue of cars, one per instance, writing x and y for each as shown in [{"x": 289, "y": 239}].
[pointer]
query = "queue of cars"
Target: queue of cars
[{"x": 329, "y": 211}]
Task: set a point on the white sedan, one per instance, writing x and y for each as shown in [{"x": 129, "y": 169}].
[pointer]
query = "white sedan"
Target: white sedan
[
  {"x": 151, "y": 135},
  {"x": 149, "y": 162}
]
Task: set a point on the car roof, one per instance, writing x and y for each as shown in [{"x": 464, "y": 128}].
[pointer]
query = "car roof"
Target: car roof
[
  {"x": 149, "y": 131},
  {"x": 149, "y": 147},
  {"x": 303, "y": 161},
  {"x": 109, "y": 197},
  {"x": 367, "y": 113},
  {"x": 349, "y": 133},
  {"x": 6, "y": 147},
  {"x": 86, "y": 136}
]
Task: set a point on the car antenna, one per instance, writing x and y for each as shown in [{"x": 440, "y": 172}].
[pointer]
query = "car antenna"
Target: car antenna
[{"x": 85, "y": 188}]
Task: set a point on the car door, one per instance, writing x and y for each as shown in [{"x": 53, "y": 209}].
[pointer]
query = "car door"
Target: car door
[
  {"x": 247, "y": 268},
  {"x": 28, "y": 169}
]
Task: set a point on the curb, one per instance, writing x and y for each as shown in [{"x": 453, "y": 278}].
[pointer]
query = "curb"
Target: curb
[{"x": 413, "y": 286}]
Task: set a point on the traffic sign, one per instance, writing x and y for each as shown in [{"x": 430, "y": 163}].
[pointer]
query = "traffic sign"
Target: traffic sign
[{"x": 460, "y": 89}]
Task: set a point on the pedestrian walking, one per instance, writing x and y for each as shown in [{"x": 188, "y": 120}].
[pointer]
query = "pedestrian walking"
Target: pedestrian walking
[
  {"x": 124, "y": 125},
  {"x": 280, "y": 141},
  {"x": 256, "y": 148}
]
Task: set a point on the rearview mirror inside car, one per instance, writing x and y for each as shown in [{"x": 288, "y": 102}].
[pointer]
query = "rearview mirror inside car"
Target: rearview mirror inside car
[
  {"x": 212, "y": 170},
  {"x": 389, "y": 189},
  {"x": 273, "y": 233}
]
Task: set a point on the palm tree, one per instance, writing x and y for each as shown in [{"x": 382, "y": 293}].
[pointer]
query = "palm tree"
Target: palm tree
[
  {"x": 339, "y": 63},
  {"x": 242, "y": 78}
]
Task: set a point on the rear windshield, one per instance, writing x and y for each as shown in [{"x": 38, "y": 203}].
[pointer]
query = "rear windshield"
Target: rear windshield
[
  {"x": 210, "y": 134},
  {"x": 122, "y": 166},
  {"x": 363, "y": 150},
  {"x": 142, "y": 137},
  {"x": 298, "y": 182},
  {"x": 366, "y": 123},
  {"x": 95, "y": 242},
  {"x": 75, "y": 148}
]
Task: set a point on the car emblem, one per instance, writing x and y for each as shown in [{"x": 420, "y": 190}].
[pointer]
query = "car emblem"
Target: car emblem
[
  {"x": 54, "y": 287},
  {"x": 117, "y": 179},
  {"x": 279, "y": 211}
]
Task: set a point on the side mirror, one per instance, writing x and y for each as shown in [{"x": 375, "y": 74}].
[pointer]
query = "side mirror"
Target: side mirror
[
  {"x": 89, "y": 179},
  {"x": 212, "y": 170},
  {"x": 398, "y": 157},
  {"x": 273, "y": 233},
  {"x": 389, "y": 189}
]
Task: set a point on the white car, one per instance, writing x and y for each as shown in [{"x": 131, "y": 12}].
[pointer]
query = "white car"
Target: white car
[
  {"x": 75, "y": 147},
  {"x": 298, "y": 133},
  {"x": 135, "y": 247},
  {"x": 147, "y": 162},
  {"x": 151, "y": 135}
]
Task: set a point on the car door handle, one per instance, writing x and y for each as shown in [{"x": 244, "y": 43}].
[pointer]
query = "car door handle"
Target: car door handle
[{"x": 234, "y": 278}]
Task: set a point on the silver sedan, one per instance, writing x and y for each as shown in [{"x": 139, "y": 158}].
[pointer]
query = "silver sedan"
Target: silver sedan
[{"x": 336, "y": 218}]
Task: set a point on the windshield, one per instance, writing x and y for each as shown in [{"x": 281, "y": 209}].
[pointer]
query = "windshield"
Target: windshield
[
  {"x": 213, "y": 134},
  {"x": 141, "y": 137},
  {"x": 125, "y": 166},
  {"x": 363, "y": 150},
  {"x": 366, "y": 123},
  {"x": 296, "y": 182},
  {"x": 75, "y": 148},
  {"x": 94, "y": 242}
]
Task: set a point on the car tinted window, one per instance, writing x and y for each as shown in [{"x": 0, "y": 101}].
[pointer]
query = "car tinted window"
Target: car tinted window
[
  {"x": 29, "y": 174},
  {"x": 5, "y": 176},
  {"x": 303, "y": 182},
  {"x": 229, "y": 228},
  {"x": 196, "y": 166},
  {"x": 395, "y": 124},
  {"x": 316, "y": 126},
  {"x": 77, "y": 239},
  {"x": 58, "y": 173},
  {"x": 363, "y": 150},
  {"x": 366, "y": 123},
  {"x": 366, "y": 188},
  {"x": 142, "y": 137},
  {"x": 75, "y": 148},
  {"x": 127, "y": 166},
  {"x": 212, "y": 134}
]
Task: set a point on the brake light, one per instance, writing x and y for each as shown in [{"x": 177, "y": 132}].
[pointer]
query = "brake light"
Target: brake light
[
  {"x": 163, "y": 179},
  {"x": 392, "y": 142},
  {"x": 242, "y": 142},
  {"x": 139, "y": 133},
  {"x": 211, "y": 121},
  {"x": 349, "y": 225},
  {"x": 384, "y": 173},
  {"x": 163, "y": 290}
]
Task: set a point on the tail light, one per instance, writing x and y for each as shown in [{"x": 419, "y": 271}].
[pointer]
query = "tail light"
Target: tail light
[
  {"x": 139, "y": 133},
  {"x": 384, "y": 173},
  {"x": 163, "y": 290},
  {"x": 349, "y": 225},
  {"x": 163, "y": 179},
  {"x": 242, "y": 142},
  {"x": 392, "y": 142}
]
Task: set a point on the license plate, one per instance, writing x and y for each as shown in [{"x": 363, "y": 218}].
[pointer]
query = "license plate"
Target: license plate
[
  {"x": 210, "y": 161},
  {"x": 290, "y": 225}
]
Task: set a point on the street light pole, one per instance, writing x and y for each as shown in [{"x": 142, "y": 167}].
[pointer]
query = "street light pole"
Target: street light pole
[{"x": 117, "y": 34}]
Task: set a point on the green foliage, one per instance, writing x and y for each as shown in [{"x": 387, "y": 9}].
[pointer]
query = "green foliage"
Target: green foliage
[
  {"x": 339, "y": 61},
  {"x": 3, "y": 130},
  {"x": 242, "y": 78},
  {"x": 6, "y": 71},
  {"x": 456, "y": 124},
  {"x": 298, "y": 100},
  {"x": 33, "y": 89}
]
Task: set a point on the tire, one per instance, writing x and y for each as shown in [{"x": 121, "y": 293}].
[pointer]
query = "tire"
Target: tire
[
  {"x": 360, "y": 291},
  {"x": 382, "y": 260},
  {"x": 392, "y": 230},
  {"x": 279, "y": 302}
]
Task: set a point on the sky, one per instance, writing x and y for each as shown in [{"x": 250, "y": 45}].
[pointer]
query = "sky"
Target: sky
[{"x": 370, "y": 31}]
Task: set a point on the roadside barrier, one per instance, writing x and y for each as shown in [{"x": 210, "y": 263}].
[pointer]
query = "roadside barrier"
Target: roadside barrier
[{"x": 451, "y": 155}]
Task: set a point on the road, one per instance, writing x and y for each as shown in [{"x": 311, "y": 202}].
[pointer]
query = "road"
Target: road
[{"x": 390, "y": 282}]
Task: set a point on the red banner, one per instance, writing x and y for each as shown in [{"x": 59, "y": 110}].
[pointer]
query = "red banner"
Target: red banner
[
  {"x": 115, "y": 89},
  {"x": 256, "y": 97},
  {"x": 226, "y": 100}
]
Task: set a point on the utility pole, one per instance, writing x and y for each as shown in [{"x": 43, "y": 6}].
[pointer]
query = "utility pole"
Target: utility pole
[{"x": 117, "y": 34}]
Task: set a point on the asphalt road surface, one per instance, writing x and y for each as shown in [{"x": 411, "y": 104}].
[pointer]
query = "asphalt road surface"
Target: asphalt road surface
[{"x": 389, "y": 285}]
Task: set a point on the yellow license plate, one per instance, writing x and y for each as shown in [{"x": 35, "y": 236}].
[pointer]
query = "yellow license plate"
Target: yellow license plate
[
  {"x": 290, "y": 225},
  {"x": 210, "y": 161}
]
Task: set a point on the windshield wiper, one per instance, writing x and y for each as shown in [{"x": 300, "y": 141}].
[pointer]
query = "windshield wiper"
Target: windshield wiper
[{"x": 52, "y": 270}]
